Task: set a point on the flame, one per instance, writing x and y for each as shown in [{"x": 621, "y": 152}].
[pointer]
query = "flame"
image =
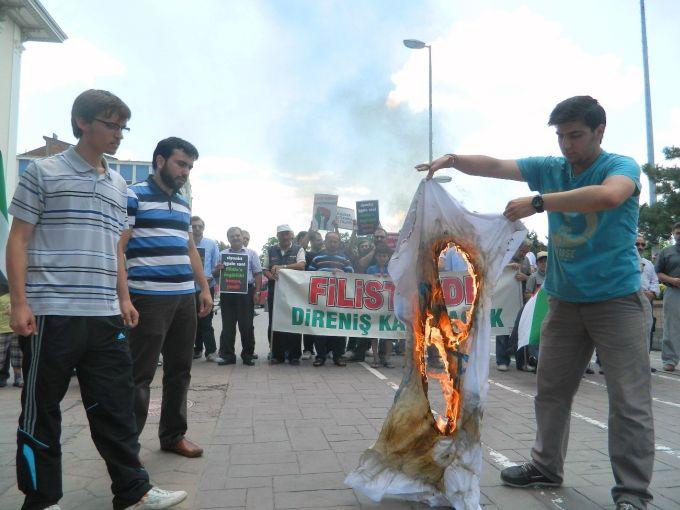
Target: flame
[{"x": 449, "y": 336}]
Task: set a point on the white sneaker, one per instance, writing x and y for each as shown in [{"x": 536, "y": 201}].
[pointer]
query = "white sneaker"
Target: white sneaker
[
  {"x": 53, "y": 507},
  {"x": 502, "y": 368},
  {"x": 306, "y": 355},
  {"x": 157, "y": 499},
  {"x": 211, "y": 357},
  {"x": 349, "y": 354}
]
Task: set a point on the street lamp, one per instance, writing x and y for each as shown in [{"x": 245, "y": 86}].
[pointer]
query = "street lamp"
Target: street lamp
[{"x": 415, "y": 44}]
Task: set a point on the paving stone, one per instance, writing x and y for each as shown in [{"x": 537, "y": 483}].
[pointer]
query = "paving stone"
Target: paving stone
[
  {"x": 260, "y": 499},
  {"x": 309, "y": 482},
  {"x": 314, "y": 499},
  {"x": 225, "y": 498}
]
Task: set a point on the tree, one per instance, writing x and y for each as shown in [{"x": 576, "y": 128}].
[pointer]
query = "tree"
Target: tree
[
  {"x": 222, "y": 245},
  {"x": 536, "y": 244},
  {"x": 272, "y": 241},
  {"x": 656, "y": 221}
]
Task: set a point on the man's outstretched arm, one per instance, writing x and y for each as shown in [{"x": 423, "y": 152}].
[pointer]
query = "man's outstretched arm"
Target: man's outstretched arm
[{"x": 481, "y": 166}]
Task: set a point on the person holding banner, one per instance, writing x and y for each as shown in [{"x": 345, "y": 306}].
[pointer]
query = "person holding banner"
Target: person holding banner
[
  {"x": 314, "y": 241},
  {"x": 284, "y": 255},
  {"x": 210, "y": 257},
  {"x": 236, "y": 304},
  {"x": 331, "y": 259},
  {"x": 593, "y": 284}
]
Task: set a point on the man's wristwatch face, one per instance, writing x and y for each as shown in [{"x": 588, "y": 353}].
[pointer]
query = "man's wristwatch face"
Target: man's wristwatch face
[{"x": 537, "y": 203}]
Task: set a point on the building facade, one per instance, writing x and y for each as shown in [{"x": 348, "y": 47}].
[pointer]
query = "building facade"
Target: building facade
[
  {"x": 20, "y": 21},
  {"x": 132, "y": 171}
]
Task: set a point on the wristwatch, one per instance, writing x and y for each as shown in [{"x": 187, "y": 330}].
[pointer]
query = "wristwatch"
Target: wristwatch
[{"x": 537, "y": 203}]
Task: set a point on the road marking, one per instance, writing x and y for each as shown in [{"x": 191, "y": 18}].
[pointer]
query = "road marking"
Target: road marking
[
  {"x": 655, "y": 399},
  {"x": 501, "y": 460},
  {"x": 372, "y": 370},
  {"x": 667, "y": 377},
  {"x": 658, "y": 447}
]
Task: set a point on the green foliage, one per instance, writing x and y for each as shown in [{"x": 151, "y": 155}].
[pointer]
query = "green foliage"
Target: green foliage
[
  {"x": 272, "y": 241},
  {"x": 657, "y": 221},
  {"x": 536, "y": 244},
  {"x": 222, "y": 245}
]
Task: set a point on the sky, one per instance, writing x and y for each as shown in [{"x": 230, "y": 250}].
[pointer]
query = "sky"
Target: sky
[{"x": 287, "y": 98}]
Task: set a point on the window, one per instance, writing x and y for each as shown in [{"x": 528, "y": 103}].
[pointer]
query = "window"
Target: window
[
  {"x": 141, "y": 172},
  {"x": 23, "y": 165},
  {"x": 126, "y": 172}
]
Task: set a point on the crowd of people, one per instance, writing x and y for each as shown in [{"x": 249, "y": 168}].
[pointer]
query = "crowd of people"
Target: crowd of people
[{"x": 105, "y": 280}]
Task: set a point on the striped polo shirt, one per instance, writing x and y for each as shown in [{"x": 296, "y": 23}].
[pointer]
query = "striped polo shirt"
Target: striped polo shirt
[
  {"x": 158, "y": 252},
  {"x": 78, "y": 215}
]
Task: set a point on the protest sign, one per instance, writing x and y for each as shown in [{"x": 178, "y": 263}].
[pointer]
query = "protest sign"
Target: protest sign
[
  {"x": 368, "y": 217},
  {"x": 201, "y": 253},
  {"x": 344, "y": 217},
  {"x": 319, "y": 303},
  {"x": 234, "y": 275},
  {"x": 324, "y": 211},
  {"x": 392, "y": 238}
]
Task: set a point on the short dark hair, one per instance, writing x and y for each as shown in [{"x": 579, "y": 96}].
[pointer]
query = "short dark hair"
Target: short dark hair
[
  {"x": 231, "y": 230},
  {"x": 578, "y": 108},
  {"x": 300, "y": 236},
  {"x": 93, "y": 102},
  {"x": 165, "y": 148},
  {"x": 676, "y": 225},
  {"x": 197, "y": 218}
]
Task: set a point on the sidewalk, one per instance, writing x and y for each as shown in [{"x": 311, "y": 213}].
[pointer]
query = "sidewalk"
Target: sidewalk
[{"x": 284, "y": 437}]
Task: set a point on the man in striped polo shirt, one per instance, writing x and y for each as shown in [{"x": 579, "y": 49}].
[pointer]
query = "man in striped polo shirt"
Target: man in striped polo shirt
[
  {"x": 69, "y": 212},
  {"x": 162, "y": 265},
  {"x": 333, "y": 260}
]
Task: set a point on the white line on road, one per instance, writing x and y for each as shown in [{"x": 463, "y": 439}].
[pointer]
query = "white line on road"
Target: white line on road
[
  {"x": 658, "y": 447},
  {"x": 655, "y": 399},
  {"x": 501, "y": 460},
  {"x": 372, "y": 370}
]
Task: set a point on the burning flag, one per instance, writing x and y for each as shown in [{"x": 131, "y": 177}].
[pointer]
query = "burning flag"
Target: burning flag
[{"x": 420, "y": 456}]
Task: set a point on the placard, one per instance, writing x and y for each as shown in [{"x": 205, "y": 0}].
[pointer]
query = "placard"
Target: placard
[
  {"x": 234, "y": 275},
  {"x": 368, "y": 217},
  {"x": 201, "y": 253},
  {"x": 345, "y": 218},
  {"x": 324, "y": 211}
]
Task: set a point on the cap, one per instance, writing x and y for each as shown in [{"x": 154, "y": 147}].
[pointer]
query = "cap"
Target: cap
[
  {"x": 541, "y": 254},
  {"x": 283, "y": 228}
]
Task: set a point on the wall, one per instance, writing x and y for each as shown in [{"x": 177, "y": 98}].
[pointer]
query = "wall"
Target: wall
[{"x": 10, "y": 61}]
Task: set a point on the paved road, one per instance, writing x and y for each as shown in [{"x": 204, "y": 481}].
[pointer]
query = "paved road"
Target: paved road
[{"x": 282, "y": 437}]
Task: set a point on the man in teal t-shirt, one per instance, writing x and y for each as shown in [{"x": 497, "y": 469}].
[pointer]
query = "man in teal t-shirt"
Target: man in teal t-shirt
[{"x": 593, "y": 284}]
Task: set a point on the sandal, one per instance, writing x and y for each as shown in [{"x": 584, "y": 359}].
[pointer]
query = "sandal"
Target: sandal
[
  {"x": 376, "y": 364},
  {"x": 388, "y": 364},
  {"x": 318, "y": 362}
]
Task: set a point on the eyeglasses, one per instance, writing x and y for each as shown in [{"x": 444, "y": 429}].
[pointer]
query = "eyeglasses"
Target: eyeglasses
[
  {"x": 113, "y": 126},
  {"x": 641, "y": 245}
]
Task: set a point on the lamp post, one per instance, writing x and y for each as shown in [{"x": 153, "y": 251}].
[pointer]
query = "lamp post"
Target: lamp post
[
  {"x": 648, "y": 104},
  {"x": 415, "y": 44}
]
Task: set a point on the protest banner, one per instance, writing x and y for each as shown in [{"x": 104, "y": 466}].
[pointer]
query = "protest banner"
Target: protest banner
[
  {"x": 324, "y": 211},
  {"x": 234, "y": 275},
  {"x": 347, "y": 304},
  {"x": 392, "y": 238},
  {"x": 344, "y": 217},
  {"x": 368, "y": 217}
]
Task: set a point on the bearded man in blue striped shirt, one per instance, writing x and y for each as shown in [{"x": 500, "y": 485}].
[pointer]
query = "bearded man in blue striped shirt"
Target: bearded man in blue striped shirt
[{"x": 162, "y": 265}]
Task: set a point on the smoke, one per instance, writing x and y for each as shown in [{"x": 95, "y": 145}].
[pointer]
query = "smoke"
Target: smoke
[{"x": 360, "y": 149}]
